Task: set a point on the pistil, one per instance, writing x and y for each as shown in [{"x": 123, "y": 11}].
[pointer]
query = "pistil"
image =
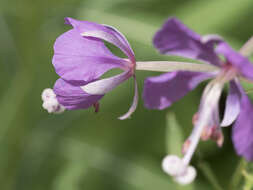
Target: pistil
[
  {"x": 170, "y": 66},
  {"x": 204, "y": 121}
]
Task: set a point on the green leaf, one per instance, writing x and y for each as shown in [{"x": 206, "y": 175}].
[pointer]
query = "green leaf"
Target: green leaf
[
  {"x": 248, "y": 180},
  {"x": 237, "y": 175},
  {"x": 207, "y": 171},
  {"x": 174, "y": 135}
]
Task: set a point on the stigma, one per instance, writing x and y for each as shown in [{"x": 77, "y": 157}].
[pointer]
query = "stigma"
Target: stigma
[{"x": 50, "y": 102}]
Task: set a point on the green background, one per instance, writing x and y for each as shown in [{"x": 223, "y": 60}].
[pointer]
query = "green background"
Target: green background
[{"x": 79, "y": 149}]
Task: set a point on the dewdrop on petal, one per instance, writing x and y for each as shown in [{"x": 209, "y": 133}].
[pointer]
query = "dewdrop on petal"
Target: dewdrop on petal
[
  {"x": 50, "y": 102},
  {"x": 187, "y": 177}
]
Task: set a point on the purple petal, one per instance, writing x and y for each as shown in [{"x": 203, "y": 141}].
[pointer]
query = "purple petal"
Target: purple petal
[
  {"x": 134, "y": 104},
  {"x": 161, "y": 91},
  {"x": 79, "y": 59},
  {"x": 174, "y": 38},
  {"x": 72, "y": 96},
  {"x": 241, "y": 63},
  {"x": 243, "y": 128},
  {"x": 103, "y": 86},
  {"x": 211, "y": 39},
  {"x": 232, "y": 108},
  {"x": 103, "y": 32}
]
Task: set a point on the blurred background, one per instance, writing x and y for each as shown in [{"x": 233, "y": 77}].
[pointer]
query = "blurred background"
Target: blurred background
[{"x": 80, "y": 149}]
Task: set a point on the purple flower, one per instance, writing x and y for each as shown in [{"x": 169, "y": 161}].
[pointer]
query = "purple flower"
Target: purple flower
[
  {"x": 81, "y": 58},
  {"x": 174, "y": 38}
]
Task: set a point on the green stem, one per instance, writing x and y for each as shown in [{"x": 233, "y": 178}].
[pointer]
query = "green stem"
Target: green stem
[
  {"x": 248, "y": 180},
  {"x": 207, "y": 171},
  {"x": 237, "y": 176}
]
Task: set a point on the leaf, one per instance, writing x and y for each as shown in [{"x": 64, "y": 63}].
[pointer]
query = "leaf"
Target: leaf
[
  {"x": 207, "y": 171},
  {"x": 237, "y": 175},
  {"x": 248, "y": 180},
  {"x": 174, "y": 135}
]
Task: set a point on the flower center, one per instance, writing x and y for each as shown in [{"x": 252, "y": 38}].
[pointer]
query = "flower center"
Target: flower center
[
  {"x": 130, "y": 66},
  {"x": 228, "y": 72}
]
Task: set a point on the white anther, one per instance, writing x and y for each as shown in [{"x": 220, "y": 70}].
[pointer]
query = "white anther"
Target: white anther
[
  {"x": 60, "y": 109},
  {"x": 47, "y": 94},
  {"x": 50, "y": 102},
  {"x": 50, "y": 105},
  {"x": 173, "y": 165},
  {"x": 187, "y": 177}
]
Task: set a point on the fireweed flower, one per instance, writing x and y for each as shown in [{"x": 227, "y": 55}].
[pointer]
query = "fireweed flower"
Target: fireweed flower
[
  {"x": 174, "y": 38},
  {"x": 81, "y": 58}
]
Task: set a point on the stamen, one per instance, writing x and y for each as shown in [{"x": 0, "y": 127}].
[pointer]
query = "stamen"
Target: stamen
[
  {"x": 47, "y": 94},
  {"x": 96, "y": 106},
  {"x": 50, "y": 102},
  {"x": 217, "y": 136},
  {"x": 206, "y": 133},
  {"x": 186, "y": 146},
  {"x": 220, "y": 140}
]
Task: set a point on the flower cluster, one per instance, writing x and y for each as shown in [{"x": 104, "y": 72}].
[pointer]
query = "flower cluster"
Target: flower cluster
[{"x": 81, "y": 58}]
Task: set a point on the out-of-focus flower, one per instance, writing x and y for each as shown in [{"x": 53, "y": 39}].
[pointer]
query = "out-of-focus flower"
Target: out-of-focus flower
[{"x": 174, "y": 38}]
